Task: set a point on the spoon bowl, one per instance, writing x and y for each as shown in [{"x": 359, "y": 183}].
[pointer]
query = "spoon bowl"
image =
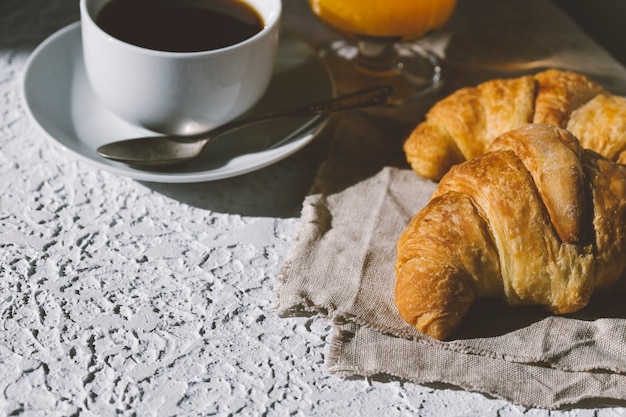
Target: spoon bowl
[{"x": 157, "y": 152}]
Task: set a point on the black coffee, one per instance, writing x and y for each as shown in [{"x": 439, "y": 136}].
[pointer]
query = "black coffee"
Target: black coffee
[{"x": 180, "y": 25}]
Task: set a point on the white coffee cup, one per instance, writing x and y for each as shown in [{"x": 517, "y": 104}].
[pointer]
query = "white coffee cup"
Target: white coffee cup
[{"x": 179, "y": 92}]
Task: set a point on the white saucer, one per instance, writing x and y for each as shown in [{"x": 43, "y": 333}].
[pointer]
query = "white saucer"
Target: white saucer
[{"x": 60, "y": 100}]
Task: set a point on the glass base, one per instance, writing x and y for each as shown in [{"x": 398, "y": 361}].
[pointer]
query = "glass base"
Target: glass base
[{"x": 409, "y": 68}]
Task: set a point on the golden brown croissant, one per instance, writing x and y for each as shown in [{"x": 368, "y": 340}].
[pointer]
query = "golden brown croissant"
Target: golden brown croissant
[
  {"x": 536, "y": 220},
  {"x": 462, "y": 125}
]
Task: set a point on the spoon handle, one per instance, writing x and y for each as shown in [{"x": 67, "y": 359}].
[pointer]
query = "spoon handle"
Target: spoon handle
[
  {"x": 160, "y": 151},
  {"x": 359, "y": 99}
]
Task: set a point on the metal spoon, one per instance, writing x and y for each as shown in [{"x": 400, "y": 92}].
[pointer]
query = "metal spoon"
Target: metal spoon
[{"x": 164, "y": 151}]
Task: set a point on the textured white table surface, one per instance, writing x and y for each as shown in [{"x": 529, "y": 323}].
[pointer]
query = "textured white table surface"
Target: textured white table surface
[{"x": 119, "y": 297}]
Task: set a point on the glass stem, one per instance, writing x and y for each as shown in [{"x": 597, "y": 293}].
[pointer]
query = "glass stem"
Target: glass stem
[{"x": 376, "y": 56}]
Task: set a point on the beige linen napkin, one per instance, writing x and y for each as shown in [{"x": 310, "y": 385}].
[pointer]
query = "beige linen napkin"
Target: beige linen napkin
[{"x": 341, "y": 261}]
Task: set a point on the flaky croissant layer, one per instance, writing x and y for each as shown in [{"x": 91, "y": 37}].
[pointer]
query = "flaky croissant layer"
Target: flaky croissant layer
[
  {"x": 463, "y": 125},
  {"x": 535, "y": 220}
]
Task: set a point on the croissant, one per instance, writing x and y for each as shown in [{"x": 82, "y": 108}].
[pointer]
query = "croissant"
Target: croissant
[
  {"x": 536, "y": 220},
  {"x": 462, "y": 125}
]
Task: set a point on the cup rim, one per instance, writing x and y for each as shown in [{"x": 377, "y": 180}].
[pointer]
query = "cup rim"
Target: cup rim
[{"x": 271, "y": 22}]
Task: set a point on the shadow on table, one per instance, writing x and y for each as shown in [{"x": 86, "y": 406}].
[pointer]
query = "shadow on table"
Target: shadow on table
[
  {"x": 492, "y": 319},
  {"x": 275, "y": 191},
  {"x": 594, "y": 403},
  {"x": 499, "y": 45},
  {"x": 25, "y": 24}
]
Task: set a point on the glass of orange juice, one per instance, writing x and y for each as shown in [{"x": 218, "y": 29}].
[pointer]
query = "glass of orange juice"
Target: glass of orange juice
[{"x": 379, "y": 46}]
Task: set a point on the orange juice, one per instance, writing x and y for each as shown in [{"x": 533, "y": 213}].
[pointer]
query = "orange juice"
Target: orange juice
[{"x": 405, "y": 19}]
